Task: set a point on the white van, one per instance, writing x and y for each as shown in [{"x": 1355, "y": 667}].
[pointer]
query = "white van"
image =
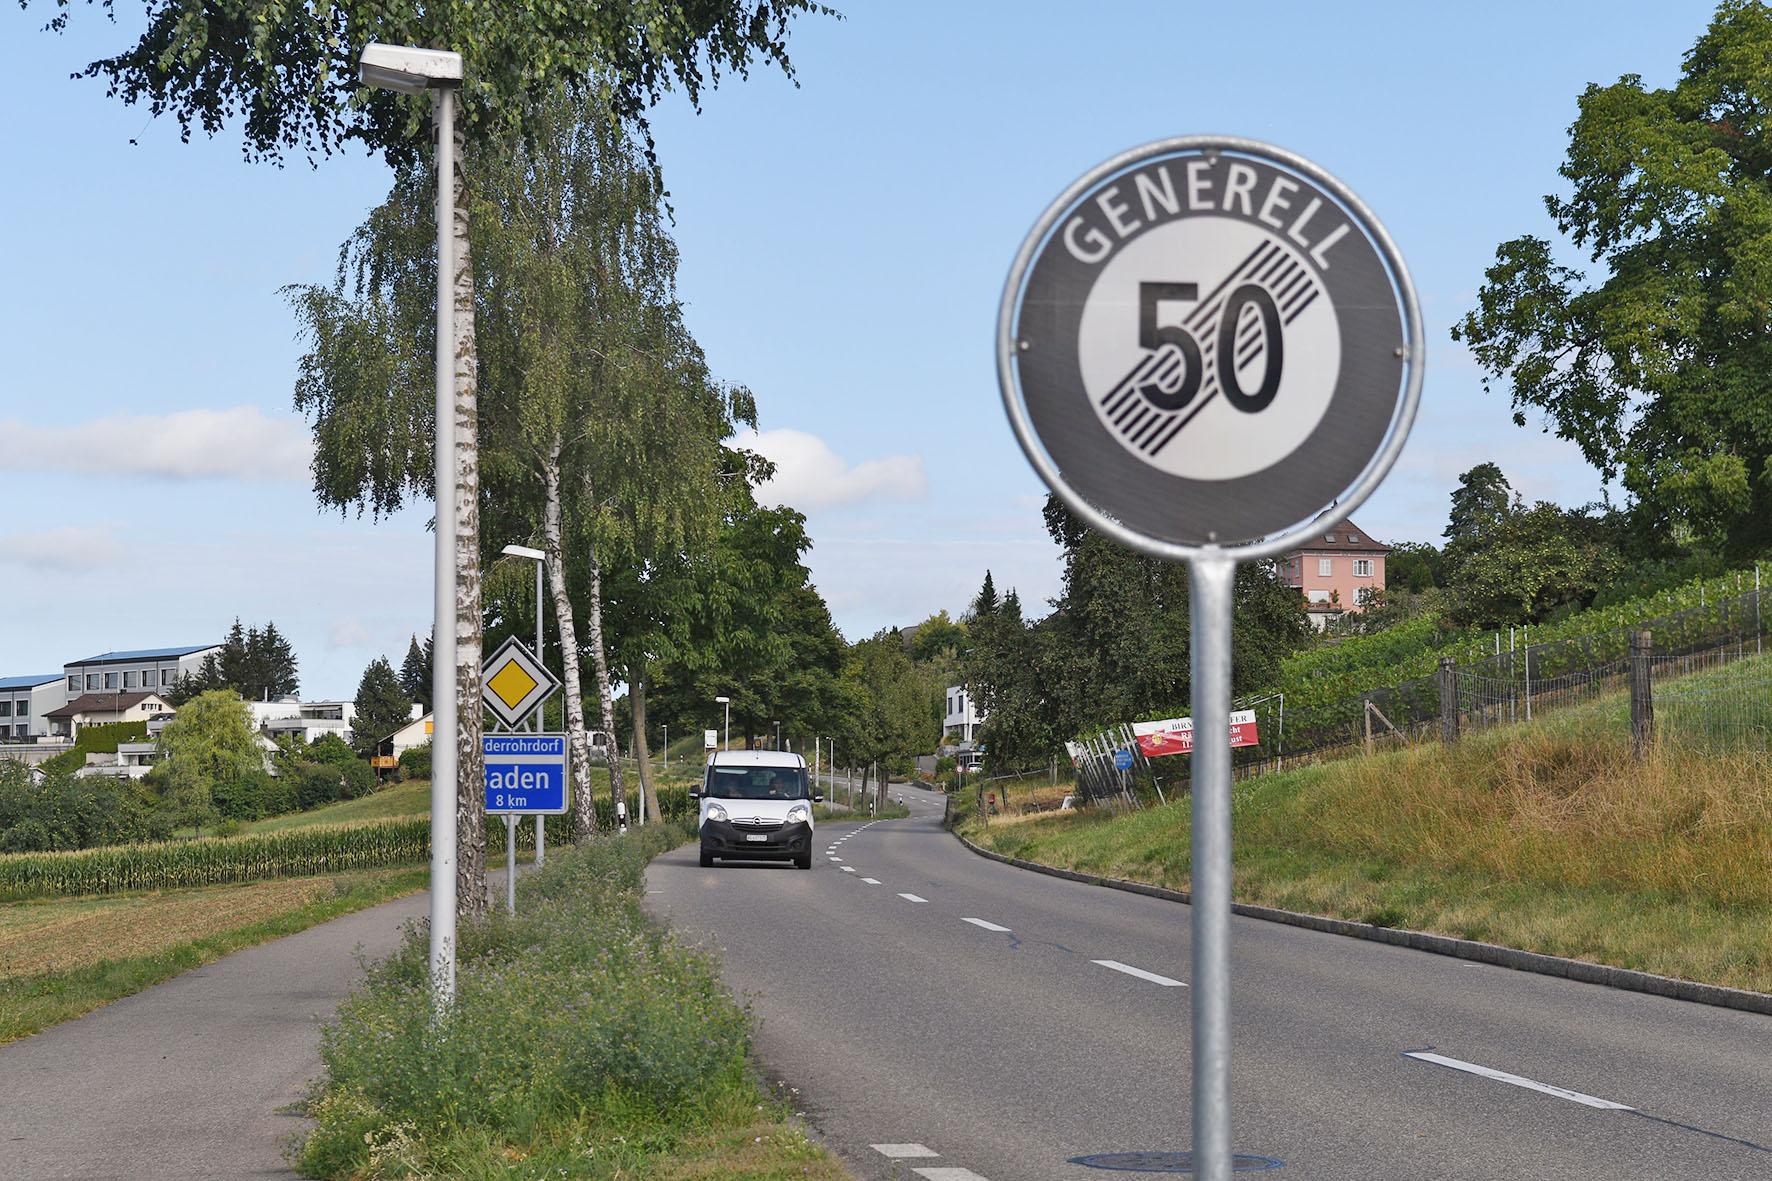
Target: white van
[{"x": 756, "y": 806}]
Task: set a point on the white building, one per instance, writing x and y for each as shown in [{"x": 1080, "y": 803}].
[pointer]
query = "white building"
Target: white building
[
  {"x": 149, "y": 670},
  {"x": 961, "y": 720},
  {"x": 25, "y": 703},
  {"x": 95, "y": 709},
  {"x": 306, "y": 720}
]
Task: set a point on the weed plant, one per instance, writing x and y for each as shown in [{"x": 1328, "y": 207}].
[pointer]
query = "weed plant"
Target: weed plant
[{"x": 583, "y": 1042}]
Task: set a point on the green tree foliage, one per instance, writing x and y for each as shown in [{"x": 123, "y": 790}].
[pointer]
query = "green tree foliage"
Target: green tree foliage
[
  {"x": 1655, "y": 358},
  {"x": 1413, "y": 566},
  {"x": 415, "y": 673},
  {"x": 257, "y": 663},
  {"x": 940, "y": 638},
  {"x": 211, "y": 741},
  {"x": 890, "y": 721},
  {"x": 1483, "y": 497},
  {"x": 287, "y": 73},
  {"x": 1531, "y": 563},
  {"x": 1116, "y": 646},
  {"x": 382, "y": 706},
  {"x": 64, "y": 811}
]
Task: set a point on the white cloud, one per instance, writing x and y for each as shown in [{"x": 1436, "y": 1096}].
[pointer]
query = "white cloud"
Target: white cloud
[
  {"x": 69, "y": 549},
  {"x": 809, "y": 475},
  {"x": 238, "y": 443},
  {"x": 348, "y": 632}
]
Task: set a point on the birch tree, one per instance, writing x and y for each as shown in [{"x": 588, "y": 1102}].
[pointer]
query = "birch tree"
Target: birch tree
[{"x": 286, "y": 74}]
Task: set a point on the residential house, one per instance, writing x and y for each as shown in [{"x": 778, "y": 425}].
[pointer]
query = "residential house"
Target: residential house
[
  {"x": 1337, "y": 571},
  {"x": 306, "y": 720},
  {"x": 95, "y": 709},
  {"x": 961, "y": 718}
]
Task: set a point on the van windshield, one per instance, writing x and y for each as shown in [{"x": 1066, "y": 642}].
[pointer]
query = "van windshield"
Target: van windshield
[{"x": 756, "y": 783}]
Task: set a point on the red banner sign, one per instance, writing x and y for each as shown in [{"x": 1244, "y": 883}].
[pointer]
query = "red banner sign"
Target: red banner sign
[{"x": 1175, "y": 736}]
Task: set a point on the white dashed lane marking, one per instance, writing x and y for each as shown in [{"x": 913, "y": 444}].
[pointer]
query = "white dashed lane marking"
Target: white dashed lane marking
[
  {"x": 847, "y": 868},
  {"x": 985, "y": 925},
  {"x": 871, "y": 881},
  {"x": 912, "y": 898},
  {"x": 902, "y": 1151},
  {"x": 1501, "y": 1076},
  {"x": 949, "y": 1175},
  {"x": 1117, "y": 966}
]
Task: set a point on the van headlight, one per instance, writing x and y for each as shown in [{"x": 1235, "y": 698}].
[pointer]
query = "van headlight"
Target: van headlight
[
  {"x": 799, "y": 814},
  {"x": 716, "y": 812}
]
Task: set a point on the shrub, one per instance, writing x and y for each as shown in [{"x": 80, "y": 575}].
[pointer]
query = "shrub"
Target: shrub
[
  {"x": 317, "y": 784},
  {"x": 243, "y": 797},
  {"x": 331, "y": 750},
  {"x": 66, "y": 811},
  {"x": 416, "y": 763},
  {"x": 581, "y": 1009},
  {"x": 356, "y": 779},
  {"x": 279, "y": 794}
]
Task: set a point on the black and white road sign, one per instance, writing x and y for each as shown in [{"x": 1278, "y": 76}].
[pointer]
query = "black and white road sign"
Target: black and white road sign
[{"x": 1210, "y": 341}]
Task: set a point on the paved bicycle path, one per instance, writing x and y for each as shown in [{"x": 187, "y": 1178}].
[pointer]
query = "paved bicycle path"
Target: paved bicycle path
[{"x": 199, "y": 1077}]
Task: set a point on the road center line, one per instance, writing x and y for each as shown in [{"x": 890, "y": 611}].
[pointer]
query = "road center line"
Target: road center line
[
  {"x": 901, "y": 1151},
  {"x": 1117, "y": 966},
  {"x": 847, "y": 868},
  {"x": 948, "y": 1175},
  {"x": 1501, "y": 1076},
  {"x": 985, "y": 925},
  {"x": 912, "y": 898},
  {"x": 871, "y": 881}
]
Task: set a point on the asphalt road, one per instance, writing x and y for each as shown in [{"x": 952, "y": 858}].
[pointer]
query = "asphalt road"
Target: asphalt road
[
  {"x": 927, "y": 1001},
  {"x": 199, "y": 1077}
]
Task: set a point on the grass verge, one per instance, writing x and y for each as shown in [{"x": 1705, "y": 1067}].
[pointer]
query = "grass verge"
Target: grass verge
[
  {"x": 1546, "y": 837},
  {"x": 399, "y": 801},
  {"x": 59, "y": 957},
  {"x": 584, "y": 1042}
]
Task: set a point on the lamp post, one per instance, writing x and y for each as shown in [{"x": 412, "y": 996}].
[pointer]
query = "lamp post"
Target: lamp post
[
  {"x": 667, "y": 746},
  {"x": 540, "y": 559},
  {"x": 407, "y": 70},
  {"x": 726, "y": 735},
  {"x": 778, "y": 735}
]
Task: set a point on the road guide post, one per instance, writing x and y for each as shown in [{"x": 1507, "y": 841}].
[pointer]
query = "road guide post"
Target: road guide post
[{"x": 1211, "y": 351}]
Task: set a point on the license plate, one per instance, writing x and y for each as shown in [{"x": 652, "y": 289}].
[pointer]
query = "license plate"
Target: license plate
[{"x": 755, "y": 836}]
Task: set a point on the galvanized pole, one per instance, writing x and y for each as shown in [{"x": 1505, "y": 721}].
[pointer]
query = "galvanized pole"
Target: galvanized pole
[
  {"x": 1526, "y": 651},
  {"x": 443, "y": 712},
  {"x": 1211, "y": 580},
  {"x": 511, "y": 862}
]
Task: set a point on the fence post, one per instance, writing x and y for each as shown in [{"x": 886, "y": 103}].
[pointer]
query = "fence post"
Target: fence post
[
  {"x": 1642, "y": 700},
  {"x": 1448, "y": 699},
  {"x": 1366, "y": 712}
]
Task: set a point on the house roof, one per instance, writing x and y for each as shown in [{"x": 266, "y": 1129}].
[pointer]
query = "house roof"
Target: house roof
[
  {"x": 143, "y": 654},
  {"x": 1344, "y": 535},
  {"x": 29, "y": 682},
  {"x": 101, "y": 703}
]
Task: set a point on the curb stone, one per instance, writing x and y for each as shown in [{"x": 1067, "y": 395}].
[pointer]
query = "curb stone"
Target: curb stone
[{"x": 1583, "y": 971}]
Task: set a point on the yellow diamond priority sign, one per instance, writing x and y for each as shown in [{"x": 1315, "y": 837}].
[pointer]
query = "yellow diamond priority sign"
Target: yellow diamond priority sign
[{"x": 514, "y": 683}]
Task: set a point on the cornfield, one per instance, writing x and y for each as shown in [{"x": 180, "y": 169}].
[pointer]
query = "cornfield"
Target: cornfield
[{"x": 301, "y": 852}]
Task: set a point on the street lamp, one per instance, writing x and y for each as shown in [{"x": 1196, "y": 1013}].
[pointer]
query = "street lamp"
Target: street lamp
[
  {"x": 414, "y": 71},
  {"x": 539, "y": 558},
  {"x": 778, "y": 735},
  {"x": 726, "y": 737}
]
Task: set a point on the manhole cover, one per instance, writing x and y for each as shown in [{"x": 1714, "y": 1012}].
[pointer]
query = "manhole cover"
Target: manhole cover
[{"x": 1169, "y": 1162}]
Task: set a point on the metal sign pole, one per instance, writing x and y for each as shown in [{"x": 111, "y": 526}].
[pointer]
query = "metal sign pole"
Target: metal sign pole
[
  {"x": 1212, "y": 578},
  {"x": 511, "y": 862},
  {"x": 541, "y": 822}
]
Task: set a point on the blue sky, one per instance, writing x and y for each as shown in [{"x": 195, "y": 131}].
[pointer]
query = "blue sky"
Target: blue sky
[{"x": 844, "y": 247}]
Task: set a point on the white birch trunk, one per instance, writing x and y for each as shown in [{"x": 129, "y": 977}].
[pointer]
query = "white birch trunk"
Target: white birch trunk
[
  {"x": 470, "y": 793},
  {"x": 584, "y": 816},
  {"x": 605, "y": 696},
  {"x": 643, "y": 748}
]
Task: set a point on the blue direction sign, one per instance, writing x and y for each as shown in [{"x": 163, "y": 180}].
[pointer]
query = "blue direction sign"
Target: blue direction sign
[
  {"x": 525, "y": 774},
  {"x": 1123, "y": 759}
]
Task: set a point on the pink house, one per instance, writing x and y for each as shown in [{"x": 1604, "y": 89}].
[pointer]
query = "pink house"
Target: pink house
[{"x": 1337, "y": 571}]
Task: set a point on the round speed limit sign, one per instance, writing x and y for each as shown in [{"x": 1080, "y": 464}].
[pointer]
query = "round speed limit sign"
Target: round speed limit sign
[{"x": 1209, "y": 341}]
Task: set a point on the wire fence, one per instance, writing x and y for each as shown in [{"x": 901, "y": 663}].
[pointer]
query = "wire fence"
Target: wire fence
[{"x": 1707, "y": 695}]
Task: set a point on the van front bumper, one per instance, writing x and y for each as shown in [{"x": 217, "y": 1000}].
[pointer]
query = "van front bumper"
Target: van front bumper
[{"x": 722, "y": 838}]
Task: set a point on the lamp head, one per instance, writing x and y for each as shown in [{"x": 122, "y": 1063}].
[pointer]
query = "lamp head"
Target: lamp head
[{"x": 406, "y": 69}]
